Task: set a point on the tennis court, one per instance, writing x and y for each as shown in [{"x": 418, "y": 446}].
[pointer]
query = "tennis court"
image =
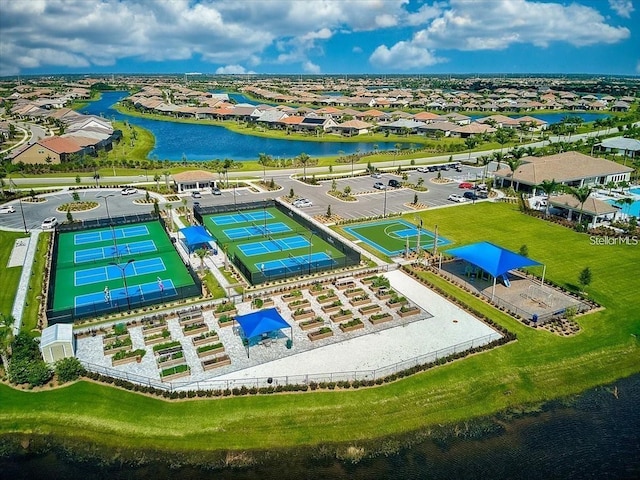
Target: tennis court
[
  {"x": 273, "y": 245},
  {"x": 100, "y": 253},
  {"x": 393, "y": 237},
  {"x": 135, "y": 273},
  {"x": 119, "y": 233},
  {"x": 254, "y": 230},
  {"x": 267, "y": 243}
]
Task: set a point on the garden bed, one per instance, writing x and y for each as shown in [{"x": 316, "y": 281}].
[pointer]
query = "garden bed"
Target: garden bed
[
  {"x": 408, "y": 311},
  {"x": 124, "y": 357},
  {"x": 309, "y": 324},
  {"x": 216, "y": 362},
  {"x": 171, "y": 360},
  {"x": 355, "y": 324},
  {"x": 195, "y": 329},
  {"x": 357, "y": 301},
  {"x": 292, "y": 297},
  {"x": 341, "y": 316},
  {"x": 157, "y": 338},
  {"x": 324, "y": 332},
  {"x": 334, "y": 307},
  {"x": 153, "y": 328},
  {"x": 369, "y": 309},
  {"x": 226, "y": 321},
  {"x": 300, "y": 303},
  {"x": 204, "y": 339},
  {"x": 185, "y": 322},
  {"x": 172, "y": 373},
  {"x": 302, "y": 315},
  {"x": 353, "y": 292},
  {"x": 381, "y": 318},
  {"x": 207, "y": 350}
]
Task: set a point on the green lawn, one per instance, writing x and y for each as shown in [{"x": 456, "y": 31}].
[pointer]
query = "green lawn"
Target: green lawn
[
  {"x": 10, "y": 276},
  {"x": 538, "y": 367}
]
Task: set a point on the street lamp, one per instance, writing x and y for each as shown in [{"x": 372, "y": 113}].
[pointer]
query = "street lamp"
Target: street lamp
[
  {"x": 384, "y": 210},
  {"x": 24, "y": 222},
  {"x": 113, "y": 233},
  {"x": 310, "y": 248},
  {"x": 124, "y": 279}
]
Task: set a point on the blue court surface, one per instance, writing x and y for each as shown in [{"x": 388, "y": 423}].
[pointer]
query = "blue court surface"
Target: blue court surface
[
  {"x": 241, "y": 218},
  {"x": 102, "y": 235},
  {"x": 255, "y": 230},
  {"x": 100, "y": 253},
  {"x": 295, "y": 264},
  {"x": 112, "y": 272},
  {"x": 273, "y": 245},
  {"x": 108, "y": 299}
]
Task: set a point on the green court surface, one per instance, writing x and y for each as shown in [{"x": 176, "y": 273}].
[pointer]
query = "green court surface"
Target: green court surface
[
  {"x": 271, "y": 245},
  {"x": 392, "y": 237},
  {"x": 89, "y": 273}
]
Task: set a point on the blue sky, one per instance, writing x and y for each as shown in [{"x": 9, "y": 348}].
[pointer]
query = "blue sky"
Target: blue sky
[{"x": 319, "y": 36}]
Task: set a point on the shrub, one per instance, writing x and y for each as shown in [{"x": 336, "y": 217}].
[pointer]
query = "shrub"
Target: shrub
[{"x": 69, "y": 369}]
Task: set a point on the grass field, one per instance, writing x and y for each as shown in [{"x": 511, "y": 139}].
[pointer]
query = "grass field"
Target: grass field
[
  {"x": 80, "y": 273},
  {"x": 539, "y": 366},
  {"x": 392, "y": 237},
  {"x": 285, "y": 252},
  {"x": 10, "y": 276}
]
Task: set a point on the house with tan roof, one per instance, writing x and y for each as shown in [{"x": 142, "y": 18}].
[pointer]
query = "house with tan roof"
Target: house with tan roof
[
  {"x": 569, "y": 168},
  {"x": 51, "y": 150},
  {"x": 351, "y": 128},
  {"x": 193, "y": 180},
  {"x": 593, "y": 211}
]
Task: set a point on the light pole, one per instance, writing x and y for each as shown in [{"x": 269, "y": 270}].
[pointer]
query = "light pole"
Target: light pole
[
  {"x": 310, "y": 249},
  {"x": 384, "y": 210},
  {"x": 124, "y": 279},
  {"x": 24, "y": 222},
  {"x": 234, "y": 196},
  {"x": 113, "y": 232},
  {"x": 264, "y": 215}
]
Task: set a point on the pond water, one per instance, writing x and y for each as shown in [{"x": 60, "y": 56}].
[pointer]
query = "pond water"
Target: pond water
[
  {"x": 597, "y": 437},
  {"x": 175, "y": 141},
  {"x": 209, "y": 142}
]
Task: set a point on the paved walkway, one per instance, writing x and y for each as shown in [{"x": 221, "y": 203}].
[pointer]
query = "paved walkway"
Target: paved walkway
[{"x": 23, "y": 286}]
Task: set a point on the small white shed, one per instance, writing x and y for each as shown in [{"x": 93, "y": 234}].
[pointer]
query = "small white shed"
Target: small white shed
[{"x": 57, "y": 342}]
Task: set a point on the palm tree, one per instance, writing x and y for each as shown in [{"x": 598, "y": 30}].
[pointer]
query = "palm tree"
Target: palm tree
[
  {"x": 485, "y": 160},
  {"x": 581, "y": 194},
  {"x": 628, "y": 201},
  {"x": 303, "y": 158},
  {"x": 514, "y": 164},
  {"x": 264, "y": 160},
  {"x": 156, "y": 178},
  {"x": 548, "y": 187},
  {"x": 6, "y": 338},
  {"x": 201, "y": 253},
  {"x": 470, "y": 142},
  {"x": 166, "y": 174},
  {"x": 502, "y": 137},
  {"x": 226, "y": 165},
  {"x": 611, "y": 185}
]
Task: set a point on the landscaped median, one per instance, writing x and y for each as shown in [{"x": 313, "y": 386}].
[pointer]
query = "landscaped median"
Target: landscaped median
[{"x": 539, "y": 366}]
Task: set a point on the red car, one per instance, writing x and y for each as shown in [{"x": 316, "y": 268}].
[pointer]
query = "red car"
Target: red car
[{"x": 465, "y": 185}]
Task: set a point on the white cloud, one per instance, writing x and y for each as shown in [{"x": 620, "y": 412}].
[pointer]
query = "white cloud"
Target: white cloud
[
  {"x": 232, "y": 70},
  {"x": 624, "y": 8},
  {"x": 310, "y": 67},
  {"x": 356, "y": 49},
  {"x": 403, "y": 56}
]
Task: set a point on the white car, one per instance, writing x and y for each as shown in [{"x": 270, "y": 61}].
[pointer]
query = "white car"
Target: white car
[
  {"x": 302, "y": 202},
  {"x": 128, "y": 191},
  {"x": 454, "y": 197},
  {"x": 7, "y": 209},
  {"x": 379, "y": 186},
  {"x": 422, "y": 169},
  {"x": 49, "y": 222}
]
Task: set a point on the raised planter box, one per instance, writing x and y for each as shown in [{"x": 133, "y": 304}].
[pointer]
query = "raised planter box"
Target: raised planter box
[
  {"x": 171, "y": 362},
  {"x": 370, "y": 309},
  {"x": 397, "y": 304},
  {"x": 216, "y": 362},
  {"x": 301, "y": 303},
  {"x": 174, "y": 376},
  {"x": 266, "y": 303},
  {"x": 155, "y": 328},
  {"x": 113, "y": 351},
  {"x": 288, "y": 298},
  {"x": 190, "y": 321},
  {"x": 324, "y": 301},
  {"x": 198, "y": 342},
  {"x": 351, "y": 328},
  {"x": 308, "y": 325},
  {"x": 345, "y": 286},
  {"x": 362, "y": 301},
  {"x": 383, "y": 296},
  {"x": 317, "y": 335},
  {"x": 228, "y": 323},
  {"x": 409, "y": 312},
  {"x": 317, "y": 293},
  {"x": 125, "y": 360},
  {"x": 156, "y": 340},
  {"x": 354, "y": 293},
  {"x": 341, "y": 318},
  {"x": 304, "y": 315},
  {"x": 169, "y": 349},
  {"x": 369, "y": 280},
  {"x": 213, "y": 351},
  {"x": 387, "y": 318},
  {"x": 196, "y": 331},
  {"x": 109, "y": 340},
  {"x": 330, "y": 309}
]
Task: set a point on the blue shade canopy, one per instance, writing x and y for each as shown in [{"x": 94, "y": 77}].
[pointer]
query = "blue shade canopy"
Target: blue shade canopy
[
  {"x": 491, "y": 258},
  {"x": 263, "y": 321},
  {"x": 195, "y": 236}
]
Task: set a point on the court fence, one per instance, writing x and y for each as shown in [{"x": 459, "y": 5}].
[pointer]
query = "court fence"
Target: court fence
[
  {"x": 133, "y": 300},
  {"x": 304, "y": 379},
  {"x": 348, "y": 255}
]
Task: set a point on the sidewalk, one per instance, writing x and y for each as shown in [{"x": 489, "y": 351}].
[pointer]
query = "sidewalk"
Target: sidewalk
[{"x": 23, "y": 286}]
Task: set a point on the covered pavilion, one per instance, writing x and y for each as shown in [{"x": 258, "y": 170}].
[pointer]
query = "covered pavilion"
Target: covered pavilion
[
  {"x": 195, "y": 237},
  {"x": 260, "y": 324}
]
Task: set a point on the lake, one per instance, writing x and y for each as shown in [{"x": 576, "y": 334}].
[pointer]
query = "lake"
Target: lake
[
  {"x": 175, "y": 141},
  {"x": 596, "y": 437}
]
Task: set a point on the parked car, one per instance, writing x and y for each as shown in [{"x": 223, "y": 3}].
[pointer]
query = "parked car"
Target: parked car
[
  {"x": 376, "y": 175},
  {"x": 482, "y": 194},
  {"x": 196, "y": 194},
  {"x": 458, "y": 168},
  {"x": 466, "y": 185},
  {"x": 49, "y": 222},
  {"x": 432, "y": 168},
  {"x": 128, "y": 191},
  {"x": 7, "y": 209},
  {"x": 395, "y": 183},
  {"x": 302, "y": 202},
  {"x": 216, "y": 191},
  {"x": 379, "y": 186},
  {"x": 423, "y": 169},
  {"x": 471, "y": 195},
  {"x": 454, "y": 197}
]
